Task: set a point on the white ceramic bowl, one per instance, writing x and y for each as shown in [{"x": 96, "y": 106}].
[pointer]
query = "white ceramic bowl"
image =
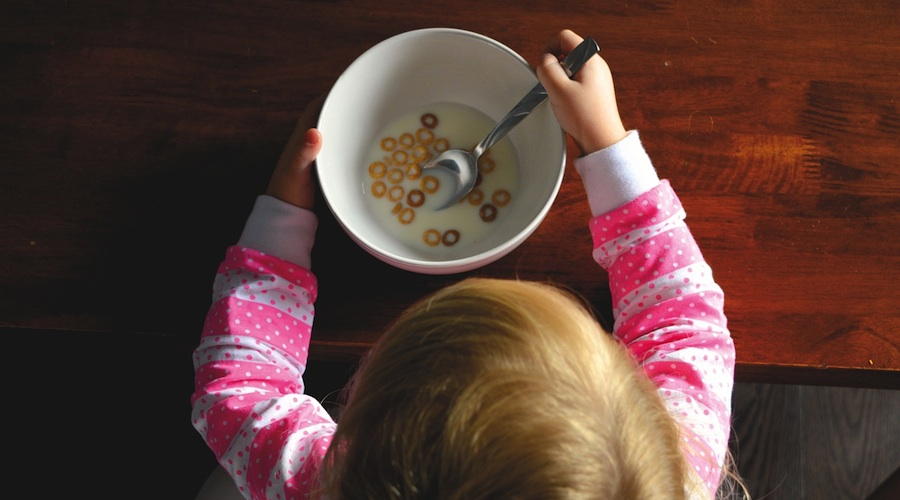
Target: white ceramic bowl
[{"x": 420, "y": 68}]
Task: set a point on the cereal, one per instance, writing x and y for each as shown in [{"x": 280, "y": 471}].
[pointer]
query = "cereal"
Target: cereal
[
  {"x": 419, "y": 153},
  {"x": 429, "y": 120},
  {"x": 413, "y": 171},
  {"x": 430, "y": 184},
  {"x": 475, "y": 196},
  {"x": 399, "y": 157},
  {"x": 388, "y": 143},
  {"x": 424, "y": 136},
  {"x": 486, "y": 165},
  {"x": 378, "y": 189},
  {"x": 432, "y": 237},
  {"x": 488, "y": 212},
  {"x": 415, "y": 198},
  {"x": 396, "y": 193},
  {"x": 407, "y": 140},
  {"x": 450, "y": 238},
  {"x": 501, "y": 197},
  {"x": 377, "y": 169},
  {"x": 440, "y": 145},
  {"x": 395, "y": 175},
  {"x": 406, "y": 215}
]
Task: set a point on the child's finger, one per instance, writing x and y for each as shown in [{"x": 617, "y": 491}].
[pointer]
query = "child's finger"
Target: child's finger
[
  {"x": 312, "y": 144},
  {"x": 567, "y": 40},
  {"x": 292, "y": 180},
  {"x": 551, "y": 73}
]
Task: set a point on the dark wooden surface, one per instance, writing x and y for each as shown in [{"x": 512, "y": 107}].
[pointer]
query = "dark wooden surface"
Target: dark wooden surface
[
  {"x": 135, "y": 136},
  {"x": 796, "y": 442}
]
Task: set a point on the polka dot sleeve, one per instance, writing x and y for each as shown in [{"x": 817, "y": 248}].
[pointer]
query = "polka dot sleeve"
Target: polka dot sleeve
[
  {"x": 669, "y": 312},
  {"x": 248, "y": 402}
]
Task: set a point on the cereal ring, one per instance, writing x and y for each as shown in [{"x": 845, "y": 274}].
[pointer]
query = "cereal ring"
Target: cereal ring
[
  {"x": 475, "y": 196},
  {"x": 406, "y": 215},
  {"x": 407, "y": 140},
  {"x": 430, "y": 184},
  {"x": 486, "y": 165},
  {"x": 396, "y": 193},
  {"x": 415, "y": 198},
  {"x": 395, "y": 175},
  {"x": 424, "y": 136},
  {"x": 399, "y": 157},
  {"x": 451, "y": 236},
  {"x": 431, "y": 237},
  {"x": 501, "y": 197},
  {"x": 419, "y": 153},
  {"x": 397, "y": 208},
  {"x": 429, "y": 120},
  {"x": 478, "y": 179},
  {"x": 377, "y": 169},
  {"x": 388, "y": 143},
  {"x": 488, "y": 212},
  {"x": 440, "y": 145},
  {"x": 378, "y": 189},
  {"x": 413, "y": 171}
]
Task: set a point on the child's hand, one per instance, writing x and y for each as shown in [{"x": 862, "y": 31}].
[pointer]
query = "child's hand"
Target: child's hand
[
  {"x": 292, "y": 180},
  {"x": 585, "y": 106}
]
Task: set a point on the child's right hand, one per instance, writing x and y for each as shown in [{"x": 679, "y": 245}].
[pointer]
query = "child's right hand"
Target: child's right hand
[{"x": 585, "y": 106}]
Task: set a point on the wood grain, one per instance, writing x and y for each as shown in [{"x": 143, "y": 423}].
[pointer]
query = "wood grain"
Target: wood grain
[{"x": 135, "y": 136}]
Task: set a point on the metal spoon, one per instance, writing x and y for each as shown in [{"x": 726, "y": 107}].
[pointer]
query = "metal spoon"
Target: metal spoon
[{"x": 463, "y": 165}]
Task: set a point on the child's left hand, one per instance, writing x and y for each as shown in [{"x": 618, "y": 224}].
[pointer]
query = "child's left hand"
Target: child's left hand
[{"x": 292, "y": 181}]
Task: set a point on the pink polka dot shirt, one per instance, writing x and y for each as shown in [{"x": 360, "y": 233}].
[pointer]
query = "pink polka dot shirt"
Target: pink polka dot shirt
[{"x": 668, "y": 310}]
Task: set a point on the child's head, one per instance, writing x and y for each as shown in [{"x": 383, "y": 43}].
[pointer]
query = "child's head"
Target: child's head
[{"x": 502, "y": 389}]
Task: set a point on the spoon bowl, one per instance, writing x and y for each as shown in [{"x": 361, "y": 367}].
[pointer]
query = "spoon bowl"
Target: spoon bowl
[{"x": 463, "y": 165}]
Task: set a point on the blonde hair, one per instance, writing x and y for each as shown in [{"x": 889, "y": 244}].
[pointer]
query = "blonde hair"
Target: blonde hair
[{"x": 502, "y": 389}]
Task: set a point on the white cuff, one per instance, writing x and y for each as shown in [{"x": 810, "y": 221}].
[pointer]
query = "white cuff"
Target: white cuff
[
  {"x": 278, "y": 228},
  {"x": 616, "y": 174}
]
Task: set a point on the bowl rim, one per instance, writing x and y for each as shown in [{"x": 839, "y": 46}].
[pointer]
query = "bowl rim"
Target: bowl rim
[{"x": 461, "y": 264}]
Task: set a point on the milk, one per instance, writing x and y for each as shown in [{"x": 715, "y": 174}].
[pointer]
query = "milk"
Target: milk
[{"x": 393, "y": 161}]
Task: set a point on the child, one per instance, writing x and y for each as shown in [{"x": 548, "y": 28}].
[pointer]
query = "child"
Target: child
[{"x": 488, "y": 388}]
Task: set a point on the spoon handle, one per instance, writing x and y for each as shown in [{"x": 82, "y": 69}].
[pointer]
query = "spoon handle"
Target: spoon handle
[{"x": 573, "y": 62}]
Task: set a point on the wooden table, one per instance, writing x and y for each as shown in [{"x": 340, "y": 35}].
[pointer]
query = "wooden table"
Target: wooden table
[{"x": 135, "y": 136}]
